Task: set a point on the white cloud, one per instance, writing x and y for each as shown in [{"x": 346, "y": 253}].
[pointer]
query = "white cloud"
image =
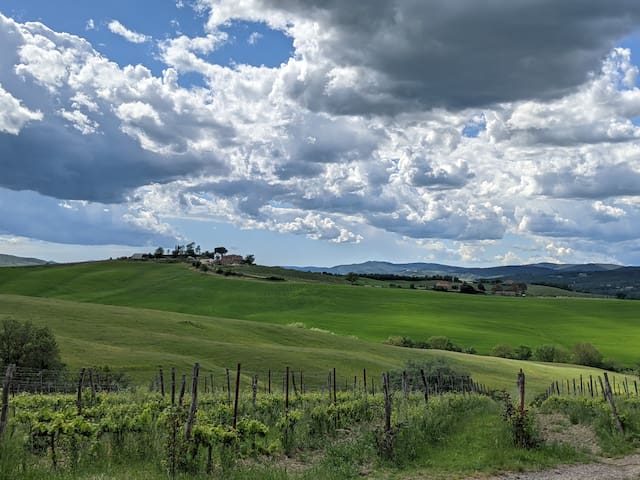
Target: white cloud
[
  {"x": 90, "y": 25},
  {"x": 129, "y": 35},
  {"x": 254, "y": 38},
  {"x": 13, "y": 115},
  {"x": 249, "y": 147}
]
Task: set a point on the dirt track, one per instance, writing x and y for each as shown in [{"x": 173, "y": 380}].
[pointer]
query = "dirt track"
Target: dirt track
[{"x": 626, "y": 468}]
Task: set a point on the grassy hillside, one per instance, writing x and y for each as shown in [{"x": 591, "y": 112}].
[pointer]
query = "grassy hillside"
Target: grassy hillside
[
  {"x": 138, "y": 340},
  {"x": 367, "y": 312}
]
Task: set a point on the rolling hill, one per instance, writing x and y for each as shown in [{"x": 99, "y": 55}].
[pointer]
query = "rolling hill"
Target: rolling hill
[
  {"x": 600, "y": 279},
  {"x": 139, "y": 340},
  {"x": 371, "y": 314},
  {"x": 13, "y": 261}
]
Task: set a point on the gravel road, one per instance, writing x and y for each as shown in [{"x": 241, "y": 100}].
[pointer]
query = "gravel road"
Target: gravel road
[{"x": 626, "y": 468}]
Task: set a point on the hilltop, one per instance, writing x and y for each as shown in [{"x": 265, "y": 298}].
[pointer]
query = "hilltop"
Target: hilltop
[{"x": 13, "y": 261}]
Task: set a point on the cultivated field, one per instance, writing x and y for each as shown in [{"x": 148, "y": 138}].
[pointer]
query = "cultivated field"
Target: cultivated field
[{"x": 369, "y": 313}]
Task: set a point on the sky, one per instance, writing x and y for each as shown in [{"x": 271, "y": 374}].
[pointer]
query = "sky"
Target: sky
[{"x": 322, "y": 132}]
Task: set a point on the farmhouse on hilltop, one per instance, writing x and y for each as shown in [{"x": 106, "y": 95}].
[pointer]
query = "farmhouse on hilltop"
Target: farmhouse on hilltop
[{"x": 224, "y": 260}]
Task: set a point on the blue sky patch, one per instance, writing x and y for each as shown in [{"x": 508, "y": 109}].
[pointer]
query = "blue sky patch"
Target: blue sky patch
[{"x": 474, "y": 126}]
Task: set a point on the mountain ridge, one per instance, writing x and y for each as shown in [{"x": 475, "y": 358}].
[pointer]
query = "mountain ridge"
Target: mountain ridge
[
  {"x": 14, "y": 261},
  {"x": 597, "y": 278},
  {"x": 422, "y": 269}
]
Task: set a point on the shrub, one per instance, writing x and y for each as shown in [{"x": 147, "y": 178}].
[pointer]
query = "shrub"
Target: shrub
[
  {"x": 523, "y": 352},
  {"x": 586, "y": 354},
  {"x": 440, "y": 343},
  {"x": 551, "y": 353},
  {"x": 26, "y": 345},
  {"x": 399, "y": 341},
  {"x": 503, "y": 350}
]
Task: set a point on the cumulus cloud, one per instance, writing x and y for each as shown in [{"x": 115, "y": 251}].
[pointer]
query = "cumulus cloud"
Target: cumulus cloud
[
  {"x": 334, "y": 146},
  {"x": 129, "y": 35},
  {"x": 13, "y": 115},
  {"x": 391, "y": 56}
]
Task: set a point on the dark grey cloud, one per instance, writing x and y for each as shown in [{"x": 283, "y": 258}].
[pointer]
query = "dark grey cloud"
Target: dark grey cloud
[
  {"x": 456, "y": 54},
  {"x": 21, "y": 213},
  {"x": 438, "y": 178},
  {"x": 101, "y": 168},
  {"x": 583, "y": 222},
  {"x": 449, "y": 225},
  {"x": 606, "y": 181}
]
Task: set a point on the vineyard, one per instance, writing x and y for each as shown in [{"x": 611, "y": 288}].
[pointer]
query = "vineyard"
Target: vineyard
[{"x": 283, "y": 425}]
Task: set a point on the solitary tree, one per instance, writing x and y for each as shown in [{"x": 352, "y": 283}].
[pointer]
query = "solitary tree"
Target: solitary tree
[
  {"x": 220, "y": 251},
  {"x": 159, "y": 253},
  {"x": 249, "y": 259},
  {"x": 26, "y": 345}
]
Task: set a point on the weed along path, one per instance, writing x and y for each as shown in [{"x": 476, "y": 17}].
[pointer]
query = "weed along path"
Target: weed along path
[{"x": 624, "y": 468}]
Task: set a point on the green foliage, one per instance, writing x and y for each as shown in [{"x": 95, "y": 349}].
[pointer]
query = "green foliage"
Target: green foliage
[
  {"x": 440, "y": 343},
  {"x": 551, "y": 353},
  {"x": 521, "y": 423},
  {"x": 503, "y": 350},
  {"x": 27, "y": 345},
  {"x": 586, "y": 354},
  {"x": 351, "y": 277},
  {"x": 523, "y": 352},
  {"x": 249, "y": 259}
]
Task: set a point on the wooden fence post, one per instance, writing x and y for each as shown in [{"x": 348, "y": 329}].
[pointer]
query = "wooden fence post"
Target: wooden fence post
[
  {"x": 387, "y": 402},
  {"x": 6, "y": 386},
  {"x": 183, "y": 386},
  {"x": 612, "y": 403},
  {"x": 602, "y": 389},
  {"x": 293, "y": 382},
  {"x": 80, "y": 386},
  {"x": 405, "y": 385},
  {"x": 521, "y": 388},
  {"x": 286, "y": 392},
  {"x": 254, "y": 389},
  {"x": 194, "y": 402},
  {"x": 425, "y": 384},
  {"x": 235, "y": 403},
  {"x": 335, "y": 401},
  {"x": 173, "y": 385},
  {"x": 364, "y": 380},
  {"x": 161, "y": 382},
  {"x": 91, "y": 384}
]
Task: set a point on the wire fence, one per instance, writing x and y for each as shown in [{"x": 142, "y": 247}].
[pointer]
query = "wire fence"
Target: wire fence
[{"x": 218, "y": 380}]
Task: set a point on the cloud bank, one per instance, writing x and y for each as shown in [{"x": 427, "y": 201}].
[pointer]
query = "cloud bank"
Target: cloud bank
[{"x": 364, "y": 129}]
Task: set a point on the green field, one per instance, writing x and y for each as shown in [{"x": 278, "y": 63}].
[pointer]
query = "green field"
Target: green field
[
  {"x": 140, "y": 340},
  {"x": 369, "y": 313}
]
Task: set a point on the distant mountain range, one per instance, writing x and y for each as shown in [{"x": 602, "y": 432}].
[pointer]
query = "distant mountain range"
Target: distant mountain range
[
  {"x": 12, "y": 261},
  {"x": 422, "y": 269},
  {"x": 598, "y": 278}
]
